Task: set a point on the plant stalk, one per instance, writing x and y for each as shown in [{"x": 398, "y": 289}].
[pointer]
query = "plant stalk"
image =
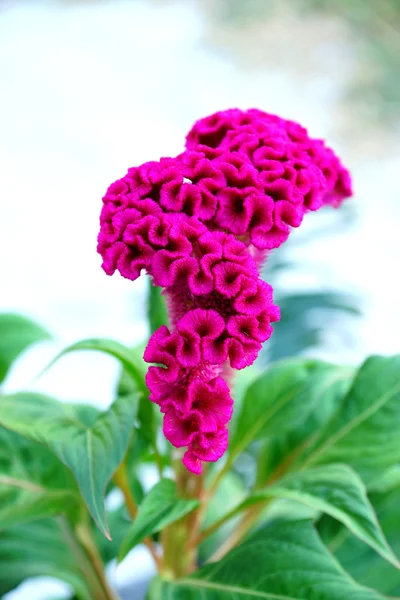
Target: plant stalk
[
  {"x": 84, "y": 535},
  {"x": 83, "y": 561},
  {"x": 180, "y": 551},
  {"x": 121, "y": 480}
]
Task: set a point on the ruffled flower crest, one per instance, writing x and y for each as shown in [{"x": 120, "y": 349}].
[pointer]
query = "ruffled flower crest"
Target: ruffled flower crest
[{"x": 200, "y": 225}]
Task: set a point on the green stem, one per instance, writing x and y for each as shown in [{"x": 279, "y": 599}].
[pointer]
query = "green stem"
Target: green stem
[
  {"x": 180, "y": 553},
  {"x": 84, "y": 535},
  {"x": 84, "y": 564},
  {"x": 121, "y": 480}
]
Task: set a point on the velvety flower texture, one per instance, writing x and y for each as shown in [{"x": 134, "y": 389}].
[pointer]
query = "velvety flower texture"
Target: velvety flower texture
[
  {"x": 200, "y": 224},
  {"x": 264, "y": 137}
]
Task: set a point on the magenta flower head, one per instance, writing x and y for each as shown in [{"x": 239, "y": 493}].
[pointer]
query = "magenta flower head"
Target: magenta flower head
[{"x": 200, "y": 225}]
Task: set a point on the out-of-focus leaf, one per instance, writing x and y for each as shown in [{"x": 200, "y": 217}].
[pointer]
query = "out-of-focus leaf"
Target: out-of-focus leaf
[
  {"x": 16, "y": 334},
  {"x": 297, "y": 330},
  {"x": 32, "y": 502}
]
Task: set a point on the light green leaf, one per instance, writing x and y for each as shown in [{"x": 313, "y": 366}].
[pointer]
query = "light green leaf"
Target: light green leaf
[
  {"x": 92, "y": 453},
  {"x": 285, "y": 561},
  {"x": 16, "y": 334},
  {"x": 283, "y": 397},
  {"x": 126, "y": 385},
  {"x": 387, "y": 481},
  {"x": 134, "y": 367},
  {"x": 364, "y": 432},
  {"x": 31, "y": 501},
  {"x": 161, "y": 507},
  {"x": 337, "y": 491},
  {"x": 125, "y": 356}
]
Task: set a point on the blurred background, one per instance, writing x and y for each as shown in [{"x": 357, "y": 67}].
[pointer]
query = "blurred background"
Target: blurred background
[{"x": 90, "y": 88}]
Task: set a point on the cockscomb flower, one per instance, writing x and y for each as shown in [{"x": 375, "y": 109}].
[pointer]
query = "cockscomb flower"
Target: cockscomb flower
[
  {"x": 200, "y": 225},
  {"x": 265, "y": 137},
  {"x": 189, "y": 389}
]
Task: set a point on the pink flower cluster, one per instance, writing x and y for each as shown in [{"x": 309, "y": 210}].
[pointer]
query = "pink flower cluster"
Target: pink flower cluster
[
  {"x": 200, "y": 225},
  {"x": 266, "y": 140}
]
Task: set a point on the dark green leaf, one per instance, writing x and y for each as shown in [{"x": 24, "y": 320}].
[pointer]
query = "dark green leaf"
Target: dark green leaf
[
  {"x": 161, "y": 507},
  {"x": 364, "y": 432},
  {"x": 283, "y": 397},
  {"x": 16, "y": 334},
  {"x": 337, "y": 491},
  {"x": 363, "y": 563},
  {"x": 92, "y": 453},
  {"x": 285, "y": 561}
]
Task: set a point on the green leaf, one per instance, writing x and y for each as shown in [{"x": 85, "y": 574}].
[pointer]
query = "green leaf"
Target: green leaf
[
  {"x": 125, "y": 356},
  {"x": 297, "y": 330},
  {"x": 157, "y": 311},
  {"x": 285, "y": 561},
  {"x": 387, "y": 481},
  {"x": 133, "y": 365},
  {"x": 92, "y": 453},
  {"x": 16, "y": 334},
  {"x": 363, "y": 563},
  {"x": 279, "y": 452},
  {"x": 120, "y": 523},
  {"x": 364, "y": 432},
  {"x": 283, "y": 397},
  {"x": 43, "y": 548},
  {"x": 229, "y": 494},
  {"x": 337, "y": 491},
  {"x": 33, "y": 483},
  {"x": 33, "y": 501},
  {"x": 161, "y": 507}
]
